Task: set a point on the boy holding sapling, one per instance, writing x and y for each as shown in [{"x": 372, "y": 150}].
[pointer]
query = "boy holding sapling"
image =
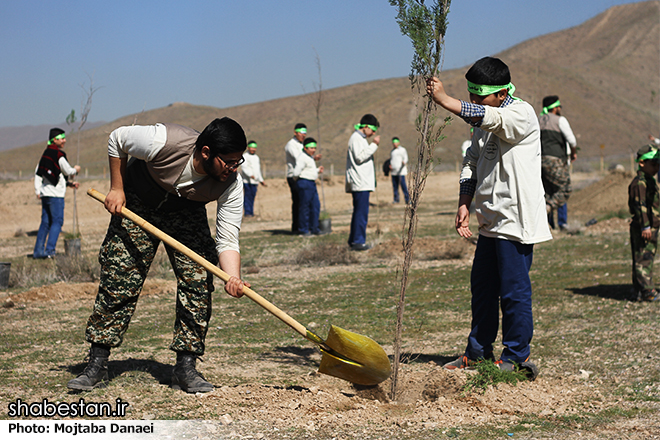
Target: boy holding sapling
[{"x": 502, "y": 172}]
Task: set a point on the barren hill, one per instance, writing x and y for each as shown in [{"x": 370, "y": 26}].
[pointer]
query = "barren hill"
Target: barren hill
[{"x": 606, "y": 72}]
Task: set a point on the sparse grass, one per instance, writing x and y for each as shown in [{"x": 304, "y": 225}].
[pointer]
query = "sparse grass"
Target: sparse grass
[
  {"x": 583, "y": 321},
  {"x": 488, "y": 375}
]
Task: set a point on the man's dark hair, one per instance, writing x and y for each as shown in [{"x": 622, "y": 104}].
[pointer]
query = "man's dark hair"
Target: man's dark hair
[
  {"x": 54, "y": 132},
  {"x": 222, "y": 136},
  {"x": 369, "y": 119},
  {"x": 299, "y": 125},
  {"x": 549, "y": 100},
  {"x": 489, "y": 71}
]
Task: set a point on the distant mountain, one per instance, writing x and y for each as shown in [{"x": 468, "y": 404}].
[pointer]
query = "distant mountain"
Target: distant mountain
[
  {"x": 15, "y": 137},
  {"x": 606, "y": 72}
]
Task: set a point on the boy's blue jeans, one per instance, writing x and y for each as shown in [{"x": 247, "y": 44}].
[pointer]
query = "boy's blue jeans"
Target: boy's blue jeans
[
  {"x": 500, "y": 279},
  {"x": 360, "y": 218},
  {"x": 52, "y": 219},
  {"x": 249, "y": 194},
  {"x": 309, "y": 208},
  {"x": 396, "y": 181}
]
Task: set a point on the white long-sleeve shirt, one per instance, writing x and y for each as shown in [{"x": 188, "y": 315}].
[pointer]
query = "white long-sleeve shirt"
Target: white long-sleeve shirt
[
  {"x": 505, "y": 160},
  {"x": 292, "y": 150},
  {"x": 144, "y": 142},
  {"x": 399, "y": 161},
  {"x": 565, "y": 129},
  {"x": 305, "y": 168},
  {"x": 360, "y": 171},
  {"x": 43, "y": 188},
  {"x": 251, "y": 169}
]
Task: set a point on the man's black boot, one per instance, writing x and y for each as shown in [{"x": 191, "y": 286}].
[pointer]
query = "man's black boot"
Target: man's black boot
[
  {"x": 95, "y": 374},
  {"x": 185, "y": 377}
]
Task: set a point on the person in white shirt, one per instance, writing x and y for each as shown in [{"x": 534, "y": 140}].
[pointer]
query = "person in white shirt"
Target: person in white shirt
[
  {"x": 292, "y": 150},
  {"x": 173, "y": 173},
  {"x": 252, "y": 178},
  {"x": 502, "y": 172},
  {"x": 399, "y": 170},
  {"x": 305, "y": 173},
  {"x": 50, "y": 182},
  {"x": 361, "y": 178}
]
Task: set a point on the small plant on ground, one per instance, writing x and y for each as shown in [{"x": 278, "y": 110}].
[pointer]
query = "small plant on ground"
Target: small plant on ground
[{"x": 489, "y": 374}]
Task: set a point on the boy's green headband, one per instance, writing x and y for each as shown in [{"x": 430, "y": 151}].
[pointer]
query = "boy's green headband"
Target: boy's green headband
[
  {"x": 550, "y": 107},
  {"x": 252, "y": 145},
  {"x": 396, "y": 140},
  {"x": 310, "y": 145},
  {"x": 59, "y": 136},
  {"x": 300, "y": 130},
  {"x": 485, "y": 90},
  {"x": 359, "y": 126},
  {"x": 653, "y": 155}
]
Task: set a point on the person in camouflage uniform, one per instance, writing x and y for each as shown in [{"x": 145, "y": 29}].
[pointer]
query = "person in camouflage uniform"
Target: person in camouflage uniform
[
  {"x": 643, "y": 202},
  {"x": 558, "y": 145},
  {"x": 173, "y": 172}
]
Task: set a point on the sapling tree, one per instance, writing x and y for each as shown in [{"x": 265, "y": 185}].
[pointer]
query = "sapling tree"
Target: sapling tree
[
  {"x": 85, "y": 108},
  {"x": 425, "y": 23},
  {"x": 316, "y": 100}
]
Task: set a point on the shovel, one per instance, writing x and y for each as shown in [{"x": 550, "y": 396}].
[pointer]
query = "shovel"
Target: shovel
[{"x": 346, "y": 355}]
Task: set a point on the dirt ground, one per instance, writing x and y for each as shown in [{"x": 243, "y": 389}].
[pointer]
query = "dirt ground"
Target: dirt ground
[{"x": 432, "y": 395}]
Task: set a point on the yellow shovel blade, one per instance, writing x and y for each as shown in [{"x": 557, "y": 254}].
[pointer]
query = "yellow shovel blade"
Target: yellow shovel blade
[{"x": 370, "y": 364}]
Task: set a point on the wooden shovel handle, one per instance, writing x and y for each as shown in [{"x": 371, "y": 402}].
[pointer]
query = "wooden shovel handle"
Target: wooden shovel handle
[{"x": 215, "y": 270}]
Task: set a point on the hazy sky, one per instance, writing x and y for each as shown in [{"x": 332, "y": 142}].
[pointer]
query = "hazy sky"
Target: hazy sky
[{"x": 147, "y": 54}]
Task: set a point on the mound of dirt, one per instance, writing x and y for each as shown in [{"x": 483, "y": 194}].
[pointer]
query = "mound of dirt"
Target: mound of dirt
[
  {"x": 65, "y": 291},
  {"x": 600, "y": 197}
]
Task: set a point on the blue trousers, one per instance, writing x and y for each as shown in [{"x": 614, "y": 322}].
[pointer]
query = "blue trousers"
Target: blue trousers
[
  {"x": 400, "y": 181},
  {"x": 249, "y": 194},
  {"x": 295, "y": 203},
  {"x": 309, "y": 208},
  {"x": 52, "y": 219},
  {"x": 500, "y": 279},
  {"x": 360, "y": 218},
  {"x": 562, "y": 217}
]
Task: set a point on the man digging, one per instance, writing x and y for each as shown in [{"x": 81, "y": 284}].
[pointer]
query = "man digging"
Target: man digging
[{"x": 173, "y": 173}]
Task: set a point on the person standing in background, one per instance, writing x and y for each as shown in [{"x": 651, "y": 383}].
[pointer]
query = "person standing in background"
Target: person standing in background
[
  {"x": 557, "y": 139},
  {"x": 292, "y": 149},
  {"x": 50, "y": 182},
  {"x": 361, "y": 178},
  {"x": 399, "y": 170},
  {"x": 252, "y": 178}
]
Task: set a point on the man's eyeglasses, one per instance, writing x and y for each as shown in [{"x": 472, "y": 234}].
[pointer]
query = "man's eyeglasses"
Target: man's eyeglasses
[{"x": 231, "y": 164}]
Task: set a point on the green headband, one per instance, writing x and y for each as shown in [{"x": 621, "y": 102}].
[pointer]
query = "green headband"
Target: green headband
[
  {"x": 653, "y": 155},
  {"x": 300, "y": 130},
  {"x": 59, "y": 136},
  {"x": 485, "y": 90},
  {"x": 310, "y": 145},
  {"x": 360, "y": 126},
  {"x": 252, "y": 145},
  {"x": 396, "y": 140},
  {"x": 550, "y": 107}
]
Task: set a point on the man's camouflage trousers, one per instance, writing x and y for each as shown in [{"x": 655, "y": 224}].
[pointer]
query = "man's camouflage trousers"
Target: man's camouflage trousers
[
  {"x": 643, "y": 253},
  {"x": 556, "y": 178},
  {"x": 125, "y": 257}
]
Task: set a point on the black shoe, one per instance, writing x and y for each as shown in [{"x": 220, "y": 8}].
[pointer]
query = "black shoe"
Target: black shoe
[
  {"x": 185, "y": 377},
  {"x": 360, "y": 247},
  {"x": 95, "y": 374}
]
